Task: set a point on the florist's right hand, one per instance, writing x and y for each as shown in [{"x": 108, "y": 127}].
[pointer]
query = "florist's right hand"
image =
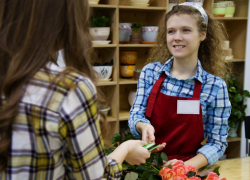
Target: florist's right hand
[
  {"x": 137, "y": 154},
  {"x": 147, "y": 131}
]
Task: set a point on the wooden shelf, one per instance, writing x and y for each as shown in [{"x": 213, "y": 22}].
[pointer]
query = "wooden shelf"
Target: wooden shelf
[
  {"x": 151, "y": 8},
  {"x": 100, "y": 83},
  {"x": 231, "y": 18},
  {"x": 110, "y": 118},
  {"x": 123, "y": 115},
  {"x": 104, "y": 45},
  {"x": 137, "y": 45},
  {"x": 236, "y": 60},
  {"x": 102, "y": 6},
  {"x": 233, "y": 139},
  {"x": 128, "y": 81}
]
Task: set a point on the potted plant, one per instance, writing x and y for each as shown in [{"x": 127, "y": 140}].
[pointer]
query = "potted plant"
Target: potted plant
[
  {"x": 236, "y": 96},
  {"x": 134, "y": 37},
  {"x": 137, "y": 74},
  {"x": 100, "y": 29}
]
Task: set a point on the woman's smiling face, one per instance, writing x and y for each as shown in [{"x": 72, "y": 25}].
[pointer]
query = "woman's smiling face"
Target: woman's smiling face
[{"x": 183, "y": 37}]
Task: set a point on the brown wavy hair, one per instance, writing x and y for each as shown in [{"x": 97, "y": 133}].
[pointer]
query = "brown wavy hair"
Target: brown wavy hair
[
  {"x": 210, "y": 50},
  {"x": 31, "y": 31}
]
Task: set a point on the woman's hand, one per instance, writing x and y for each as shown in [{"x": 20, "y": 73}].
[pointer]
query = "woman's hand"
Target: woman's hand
[
  {"x": 171, "y": 162},
  {"x": 147, "y": 131},
  {"x": 131, "y": 151},
  {"x": 137, "y": 154}
]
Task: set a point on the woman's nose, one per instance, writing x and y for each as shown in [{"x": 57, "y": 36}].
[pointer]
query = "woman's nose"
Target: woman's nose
[{"x": 178, "y": 36}]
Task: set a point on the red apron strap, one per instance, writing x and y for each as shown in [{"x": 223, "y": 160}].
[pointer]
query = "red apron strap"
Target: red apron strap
[
  {"x": 153, "y": 94},
  {"x": 197, "y": 89}
]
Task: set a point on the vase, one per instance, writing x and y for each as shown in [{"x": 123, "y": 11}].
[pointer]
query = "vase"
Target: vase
[
  {"x": 134, "y": 39},
  {"x": 131, "y": 97},
  {"x": 233, "y": 127}
]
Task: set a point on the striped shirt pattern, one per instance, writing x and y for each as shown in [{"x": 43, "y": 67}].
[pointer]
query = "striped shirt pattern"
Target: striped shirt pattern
[
  {"x": 56, "y": 134},
  {"x": 214, "y": 99}
]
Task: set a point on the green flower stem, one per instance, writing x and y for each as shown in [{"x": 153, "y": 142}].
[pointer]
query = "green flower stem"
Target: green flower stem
[{"x": 155, "y": 168}]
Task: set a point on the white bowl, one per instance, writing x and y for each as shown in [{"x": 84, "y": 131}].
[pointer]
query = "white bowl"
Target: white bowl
[
  {"x": 149, "y": 33},
  {"x": 104, "y": 109},
  {"x": 99, "y": 33},
  {"x": 93, "y": 1},
  {"x": 139, "y": 1},
  {"x": 103, "y": 72},
  {"x": 100, "y": 42}
]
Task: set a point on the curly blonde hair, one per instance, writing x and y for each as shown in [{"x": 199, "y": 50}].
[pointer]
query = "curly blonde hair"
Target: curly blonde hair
[{"x": 210, "y": 50}]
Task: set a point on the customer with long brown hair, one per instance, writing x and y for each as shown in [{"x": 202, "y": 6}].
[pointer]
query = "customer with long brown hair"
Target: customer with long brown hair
[
  {"x": 181, "y": 97},
  {"x": 49, "y": 121}
]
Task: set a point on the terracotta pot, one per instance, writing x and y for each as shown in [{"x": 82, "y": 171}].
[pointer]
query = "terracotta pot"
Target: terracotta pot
[
  {"x": 134, "y": 39},
  {"x": 136, "y": 75},
  {"x": 127, "y": 71},
  {"x": 128, "y": 57}
]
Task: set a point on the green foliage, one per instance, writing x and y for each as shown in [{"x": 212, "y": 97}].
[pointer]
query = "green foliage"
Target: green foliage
[
  {"x": 149, "y": 170},
  {"x": 236, "y": 96},
  {"x": 100, "y": 21},
  {"x": 138, "y": 70},
  {"x": 135, "y": 28}
]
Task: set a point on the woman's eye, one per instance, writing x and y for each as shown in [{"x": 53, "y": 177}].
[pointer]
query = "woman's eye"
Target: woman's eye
[
  {"x": 170, "y": 32},
  {"x": 186, "y": 30}
]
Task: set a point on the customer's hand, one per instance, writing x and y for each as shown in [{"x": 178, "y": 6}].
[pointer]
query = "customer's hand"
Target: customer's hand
[
  {"x": 137, "y": 154},
  {"x": 147, "y": 131}
]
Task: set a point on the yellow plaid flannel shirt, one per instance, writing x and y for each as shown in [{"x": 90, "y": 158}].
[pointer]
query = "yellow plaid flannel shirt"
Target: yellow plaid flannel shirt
[{"x": 56, "y": 134}]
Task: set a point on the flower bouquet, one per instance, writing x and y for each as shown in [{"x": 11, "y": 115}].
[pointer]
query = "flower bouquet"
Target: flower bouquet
[
  {"x": 153, "y": 168},
  {"x": 181, "y": 172}
]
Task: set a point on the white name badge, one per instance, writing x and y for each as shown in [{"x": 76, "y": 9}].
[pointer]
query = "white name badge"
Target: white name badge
[{"x": 188, "y": 107}]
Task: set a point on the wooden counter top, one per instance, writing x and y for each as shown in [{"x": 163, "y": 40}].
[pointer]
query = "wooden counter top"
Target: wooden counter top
[{"x": 234, "y": 169}]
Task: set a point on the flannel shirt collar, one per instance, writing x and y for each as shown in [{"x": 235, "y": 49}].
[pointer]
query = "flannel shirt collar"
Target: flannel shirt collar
[{"x": 168, "y": 64}]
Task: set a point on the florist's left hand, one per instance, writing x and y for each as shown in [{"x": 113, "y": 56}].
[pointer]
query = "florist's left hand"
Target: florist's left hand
[{"x": 171, "y": 162}]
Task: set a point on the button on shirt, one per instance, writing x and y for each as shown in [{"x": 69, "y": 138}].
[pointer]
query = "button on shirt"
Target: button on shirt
[{"x": 214, "y": 99}]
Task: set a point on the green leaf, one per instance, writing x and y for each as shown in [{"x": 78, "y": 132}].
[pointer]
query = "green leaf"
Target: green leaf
[
  {"x": 164, "y": 156},
  {"x": 149, "y": 160},
  {"x": 246, "y": 93},
  {"x": 113, "y": 140},
  {"x": 158, "y": 161},
  {"x": 131, "y": 176},
  {"x": 151, "y": 177},
  {"x": 216, "y": 170},
  {"x": 144, "y": 175},
  {"x": 232, "y": 89},
  {"x": 124, "y": 166},
  {"x": 129, "y": 137},
  {"x": 238, "y": 98},
  {"x": 117, "y": 137},
  {"x": 142, "y": 168},
  {"x": 191, "y": 174}
]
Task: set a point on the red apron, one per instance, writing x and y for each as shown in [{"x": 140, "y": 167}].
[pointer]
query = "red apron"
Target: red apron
[{"x": 182, "y": 133}]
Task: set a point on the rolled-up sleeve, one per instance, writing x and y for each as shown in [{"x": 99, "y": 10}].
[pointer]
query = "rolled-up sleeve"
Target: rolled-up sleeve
[{"x": 218, "y": 112}]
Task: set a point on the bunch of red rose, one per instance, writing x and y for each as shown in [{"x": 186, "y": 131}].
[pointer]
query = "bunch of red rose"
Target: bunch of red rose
[{"x": 181, "y": 172}]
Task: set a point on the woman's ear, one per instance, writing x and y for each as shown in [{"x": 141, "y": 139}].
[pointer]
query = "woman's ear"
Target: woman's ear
[{"x": 203, "y": 36}]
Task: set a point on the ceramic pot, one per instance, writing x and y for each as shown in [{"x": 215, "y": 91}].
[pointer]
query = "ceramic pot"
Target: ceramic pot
[
  {"x": 149, "y": 33},
  {"x": 124, "y": 32},
  {"x": 219, "y": 9},
  {"x": 127, "y": 71},
  {"x": 131, "y": 97},
  {"x": 233, "y": 127},
  {"x": 230, "y": 10},
  {"x": 103, "y": 72},
  {"x": 94, "y": 1},
  {"x": 99, "y": 33},
  {"x": 199, "y": 2},
  {"x": 128, "y": 57}
]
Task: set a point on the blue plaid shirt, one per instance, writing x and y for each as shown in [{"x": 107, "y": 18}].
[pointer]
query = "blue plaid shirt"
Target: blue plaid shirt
[{"x": 214, "y": 99}]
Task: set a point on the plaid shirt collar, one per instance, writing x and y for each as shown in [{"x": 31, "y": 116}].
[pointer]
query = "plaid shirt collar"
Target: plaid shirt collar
[{"x": 167, "y": 67}]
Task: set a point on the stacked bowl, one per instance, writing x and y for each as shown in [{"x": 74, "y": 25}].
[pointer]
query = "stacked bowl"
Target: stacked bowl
[
  {"x": 143, "y": 3},
  {"x": 127, "y": 67}
]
